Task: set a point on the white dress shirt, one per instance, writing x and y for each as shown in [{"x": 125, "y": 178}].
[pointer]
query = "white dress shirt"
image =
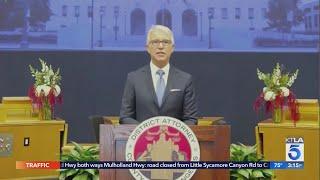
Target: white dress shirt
[{"x": 155, "y": 76}]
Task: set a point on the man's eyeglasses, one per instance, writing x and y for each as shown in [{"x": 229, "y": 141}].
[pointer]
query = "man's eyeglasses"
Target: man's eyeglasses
[{"x": 156, "y": 43}]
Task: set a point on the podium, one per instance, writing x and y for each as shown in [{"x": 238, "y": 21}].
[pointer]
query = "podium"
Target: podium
[
  {"x": 214, "y": 141},
  {"x": 23, "y": 137},
  {"x": 30, "y": 141},
  {"x": 271, "y": 143},
  {"x": 271, "y": 140}
]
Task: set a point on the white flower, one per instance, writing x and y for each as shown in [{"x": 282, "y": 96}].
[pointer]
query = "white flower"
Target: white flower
[
  {"x": 51, "y": 73},
  {"x": 276, "y": 79},
  {"x": 261, "y": 76},
  {"x": 269, "y": 96},
  {"x": 46, "y": 79},
  {"x": 265, "y": 89},
  {"x": 43, "y": 88},
  {"x": 285, "y": 91},
  {"x": 57, "y": 90},
  {"x": 44, "y": 67},
  {"x": 276, "y": 75},
  {"x": 292, "y": 78},
  {"x": 278, "y": 70}
]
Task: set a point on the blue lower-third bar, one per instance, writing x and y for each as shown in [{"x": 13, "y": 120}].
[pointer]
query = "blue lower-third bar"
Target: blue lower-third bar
[{"x": 286, "y": 165}]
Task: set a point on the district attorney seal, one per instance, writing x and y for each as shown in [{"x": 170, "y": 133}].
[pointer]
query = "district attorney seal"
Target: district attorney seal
[{"x": 162, "y": 138}]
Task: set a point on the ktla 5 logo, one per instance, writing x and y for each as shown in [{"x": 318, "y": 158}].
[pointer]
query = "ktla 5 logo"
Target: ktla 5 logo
[{"x": 294, "y": 149}]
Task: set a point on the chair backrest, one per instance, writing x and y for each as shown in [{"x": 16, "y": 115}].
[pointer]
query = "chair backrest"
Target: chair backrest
[{"x": 96, "y": 121}]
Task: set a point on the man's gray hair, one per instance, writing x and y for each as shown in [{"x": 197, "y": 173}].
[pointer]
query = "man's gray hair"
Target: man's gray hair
[{"x": 160, "y": 28}]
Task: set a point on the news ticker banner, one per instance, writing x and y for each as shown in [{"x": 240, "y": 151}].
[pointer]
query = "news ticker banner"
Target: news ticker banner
[{"x": 158, "y": 165}]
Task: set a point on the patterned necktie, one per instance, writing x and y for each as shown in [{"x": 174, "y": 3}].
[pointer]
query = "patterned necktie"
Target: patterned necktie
[{"x": 160, "y": 86}]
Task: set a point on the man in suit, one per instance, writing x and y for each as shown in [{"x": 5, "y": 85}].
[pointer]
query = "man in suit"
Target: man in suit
[{"x": 159, "y": 89}]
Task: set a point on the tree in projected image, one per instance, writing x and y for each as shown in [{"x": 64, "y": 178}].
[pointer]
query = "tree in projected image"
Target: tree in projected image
[
  {"x": 283, "y": 15},
  {"x": 14, "y": 12}
]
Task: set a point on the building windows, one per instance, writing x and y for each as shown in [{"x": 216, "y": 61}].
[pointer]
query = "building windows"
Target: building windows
[
  {"x": 250, "y": 13},
  {"x": 164, "y": 18},
  {"x": 64, "y": 10},
  {"x": 237, "y": 13},
  {"x": 211, "y": 13},
  {"x": 316, "y": 20},
  {"x": 306, "y": 22},
  {"x": 138, "y": 22},
  {"x": 90, "y": 11},
  {"x": 189, "y": 23},
  {"x": 224, "y": 13},
  {"x": 307, "y": 10},
  {"x": 310, "y": 22},
  {"x": 263, "y": 13},
  {"x": 76, "y": 11},
  {"x": 102, "y": 10}
]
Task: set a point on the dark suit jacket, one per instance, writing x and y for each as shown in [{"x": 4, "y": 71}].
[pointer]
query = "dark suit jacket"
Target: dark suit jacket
[{"x": 139, "y": 101}]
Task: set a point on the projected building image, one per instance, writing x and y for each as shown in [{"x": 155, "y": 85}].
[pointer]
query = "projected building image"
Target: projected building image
[{"x": 265, "y": 25}]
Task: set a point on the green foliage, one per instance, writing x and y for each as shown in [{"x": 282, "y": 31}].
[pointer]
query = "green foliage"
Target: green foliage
[
  {"x": 277, "y": 79},
  {"x": 46, "y": 76},
  {"x": 80, "y": 154},
  {"x": 242, "y": 153}
]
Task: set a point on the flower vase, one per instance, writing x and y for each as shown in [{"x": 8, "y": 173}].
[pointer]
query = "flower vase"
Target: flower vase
[
  {"x": 277, "y": 115},
  {"x": 45, "y": 111}
]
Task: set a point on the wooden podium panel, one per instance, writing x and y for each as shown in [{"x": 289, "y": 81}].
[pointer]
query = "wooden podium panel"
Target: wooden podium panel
[
  {"x": 271, "y": 142},
  {"x": 30, "y": 141},
  {"x": 214, "y": 144}
]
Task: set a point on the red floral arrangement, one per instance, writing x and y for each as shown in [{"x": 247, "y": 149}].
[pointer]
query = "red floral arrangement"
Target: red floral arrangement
[
  {"x": 276, "y": 93},
  {"x": 46, "y": 91}
]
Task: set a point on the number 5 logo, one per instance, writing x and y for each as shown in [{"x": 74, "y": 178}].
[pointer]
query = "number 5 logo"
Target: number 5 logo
[{"x": 294, "y": 152}]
